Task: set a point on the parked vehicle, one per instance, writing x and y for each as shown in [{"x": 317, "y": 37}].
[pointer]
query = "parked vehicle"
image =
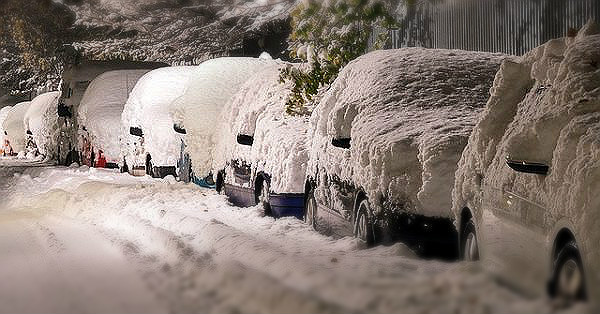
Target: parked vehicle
[
  {"x": 99, "y": 117},
  {"x": 76, "y": 79},
  {"x": 386, "y": 139},
  {"x": 41, "y": 126},
  {"x": 262, "y": 150},
  {"x": 198, "y": 112},
  {"x": 526, "y": 195},
  {"x": 150, "y": 145},
  {"x": 5, "y": 148},
  {"x": 14, "y": 130}
]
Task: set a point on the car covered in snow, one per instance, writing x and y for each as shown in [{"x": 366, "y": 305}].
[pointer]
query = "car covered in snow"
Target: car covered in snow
[
  {"x": 149, "y": 143},
  {"x": 197, "y": 113},
  {"x": 262, "y": 150},
  {"x": 526, "y": 194},
  {"x": 41, "y": 126},
  {"x": 5, "y": 148},
  {"x": 14, "y": 131},
  {"x": 76, "y": 78},
  {"x": 99, "y": 117},
  {"x": 386, "y": 138}
]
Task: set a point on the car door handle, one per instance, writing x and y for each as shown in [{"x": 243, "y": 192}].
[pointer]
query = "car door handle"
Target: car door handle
[{"x": 528, "y": 167}]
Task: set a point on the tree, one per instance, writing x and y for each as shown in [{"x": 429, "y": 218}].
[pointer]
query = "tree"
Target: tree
[{"x": 328, "y": 35}]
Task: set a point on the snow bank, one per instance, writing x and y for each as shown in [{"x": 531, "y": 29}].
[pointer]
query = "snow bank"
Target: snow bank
[
  {"x": 279, "y": 147},
  {"x": 13, "y": 125},
  {"x": 214, "y": 82},
  {"x": 101, "y": 108},
  {"x": 408, "y": 113},
  {"x": 42, "y": 120},
  {"x": 545, "y": 107},
  {"x": 149, "y": 108}
]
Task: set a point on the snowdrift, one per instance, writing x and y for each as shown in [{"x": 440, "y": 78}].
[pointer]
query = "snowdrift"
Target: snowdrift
[
  {"x": 279, "y": 147},
  {"x": 101, "y": 108},
  {"x": 409, "y": 113},
  {"x": 149, "y": 108},
  {"x": 13, "y": 125},
  {"x": 213, "y": 83},
  {"x": 42, "y": 120},
  {"x": 544, "y": 107}
]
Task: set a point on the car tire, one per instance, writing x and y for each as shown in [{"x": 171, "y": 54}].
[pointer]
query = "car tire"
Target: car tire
[
  {"x": 363, "y": 229},
  {"x": 263, "y": 197},
  {"x": 149, "y": 166},
  {"x": 469, "y": 244},
  {"x": 310, "y": 210},
  {"x": 220, "y": 183},
  {"x": 568, "y": 282}
]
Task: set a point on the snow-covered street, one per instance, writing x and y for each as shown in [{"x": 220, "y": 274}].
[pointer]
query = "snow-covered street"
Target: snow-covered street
[{"x": 91, "y": 240}]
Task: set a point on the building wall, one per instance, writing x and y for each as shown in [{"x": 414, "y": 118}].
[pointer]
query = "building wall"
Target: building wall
[{"x": 509, "y": 26}]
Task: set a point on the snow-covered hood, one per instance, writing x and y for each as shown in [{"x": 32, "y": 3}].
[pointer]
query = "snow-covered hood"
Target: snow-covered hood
[
  {"x": 42, "y": 120},
  {"x": 149, "y": 108},
  {"x": 13, "y": 125},
  {"x": 101, "y": 108},
  {"x": 279, "y": 147},
  {"x": 545, "y": 107},
  {"x": 408, "y": 113},
  {"x": 213, "y": 84}
]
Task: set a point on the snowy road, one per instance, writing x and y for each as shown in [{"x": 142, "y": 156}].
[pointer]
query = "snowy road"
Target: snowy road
[{"x": 87, "y": 240}]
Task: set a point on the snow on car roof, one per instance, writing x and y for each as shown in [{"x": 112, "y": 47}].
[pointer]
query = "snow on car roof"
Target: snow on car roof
[
  {"x": 101, "y": 108},
  {"x": 149, "y": 107},
  {"x": 13, "y": 125},
  {"x": 41, "y": 119},
  {"x": 408, "y": 113}
]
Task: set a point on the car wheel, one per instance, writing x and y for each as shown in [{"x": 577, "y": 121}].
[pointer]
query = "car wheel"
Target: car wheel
[
  {"x": 364, "y": 228},
  {"x": 310, "y": 210},
  {"x": 220, "y": 184},
  {"x": 469, "y": 242},
  {"x": 569, "y": 280},
  {"x": 263, "y": 198},
  {"x": 149, "y": 166}
]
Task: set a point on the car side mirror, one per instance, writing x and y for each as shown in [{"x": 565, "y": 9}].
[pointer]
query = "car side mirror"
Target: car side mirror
[
  {"x": 136, "y": 131},
  {"x": 528, "y": 167},
  {"x": 64, "y": 111},
  {"x": 246, "y": 140},
  {"x": 341, "y": 143},
  {"x": 179, "y": 129}
]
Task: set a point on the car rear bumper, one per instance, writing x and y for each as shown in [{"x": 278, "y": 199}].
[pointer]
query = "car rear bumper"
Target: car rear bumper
[{"x": 282, "y": 204}]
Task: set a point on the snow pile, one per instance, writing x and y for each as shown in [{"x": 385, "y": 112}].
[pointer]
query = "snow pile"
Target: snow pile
[
  {"x": 13, "y": 125},
  {"x": 3, "y": 114},
  {"x": 149, "y": 108},
  {"x": 544, "y": 108},
  {"x": 101, "y": 108},
  {"x": 214, "y": 82},
  {"x": 408, "y": 113},
  {"x": 279, "y": 147},
  {"x": 41, "y": 119}
]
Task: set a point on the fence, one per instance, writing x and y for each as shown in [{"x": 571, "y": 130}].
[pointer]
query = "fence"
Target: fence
[{"x": 509, "y": 26}]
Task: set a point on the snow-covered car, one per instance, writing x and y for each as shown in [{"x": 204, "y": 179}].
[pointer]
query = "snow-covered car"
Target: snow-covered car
[
  {"x": 262, "y": 150},
  {"x": 197, "y": 113},
  {"x": 5, "y": 148},
  {"x": 41, "y": 126},
  {"x": 386, "y": 139},
  {"x": 526, "y": 194},
  {"x": 149, "y": 143},
  {"x": 99, "y": 117},
  {"x": 75, "y": 80},
  {"x": 14, "y": 129}
]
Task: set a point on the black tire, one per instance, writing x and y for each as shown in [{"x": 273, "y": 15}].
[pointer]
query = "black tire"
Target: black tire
[
  {"x": 363, "y": 227},
  {"x": 220, "y": 184},
  {"x": 469, "y": 243},
  {"x": 263, "y": 195},
  {"x": 568, "y": 280},
  {"x": 149, "y": 167},
  {"x": 124, "y": 168},
  {"x": 310, "y": 209}
]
